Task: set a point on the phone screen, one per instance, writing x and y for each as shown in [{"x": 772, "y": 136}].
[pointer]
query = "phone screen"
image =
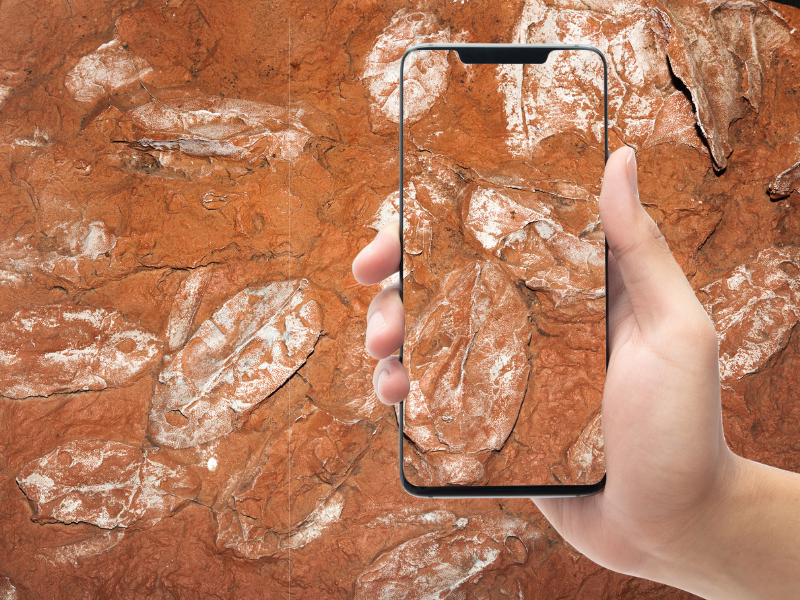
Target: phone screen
[{"x": 504, "y": 268}]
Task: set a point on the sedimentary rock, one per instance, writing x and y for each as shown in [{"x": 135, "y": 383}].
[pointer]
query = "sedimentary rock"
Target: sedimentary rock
[
  {"x": 527, "y": 234},
  {"x": 161, "y": 162},
  {"x": 754, "y": 310},
  {"x": 66, "y": 348},
  {"x": 108, "y": 70},
  {"x": 467, "y": 357},
  {"x": 436, "y": 564},
  {"x": 719, "y": 51},
  {"x": 73, "y": 553},
  {"x": 107, "y": 484},
  {"x": 236, "y": 359},
  {"x": 290, "y": 497},
  {"x": 585, "y": 461},
  {"x": 8, "y": 589},
  {"x": 425, "y": 72},
  {"x": 237, "y": 129},
  {"x": 784, "y": 183}
]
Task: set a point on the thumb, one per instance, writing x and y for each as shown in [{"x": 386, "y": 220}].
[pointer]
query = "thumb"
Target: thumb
[{"x": 656, "y": 285}]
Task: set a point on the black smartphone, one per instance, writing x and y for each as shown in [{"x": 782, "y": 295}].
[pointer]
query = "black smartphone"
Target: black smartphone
[{"x": 503, "y": 269}]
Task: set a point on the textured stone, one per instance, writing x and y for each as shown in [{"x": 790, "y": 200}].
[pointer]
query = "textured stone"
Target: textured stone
[
  {"x": 717, "y": 50},
  {"x": 107, "y": 484},
  {"x": 163, "y": 161},
  {"x": 109, "y": 70},
  {"x": 72, "y": 553},
  {"x": 237, "y": 358},
  {"x": 476, "y": 326},
  {"x": 426, "y": 72},
  {"x": 528, "y": 235},
  {"x": 783, "y": 183},
  {"x": 434, "y": 564},
  {"x": 585, "y": 459},
  {"x": 341, "y": 377},
  {"x": 8, "y": 590},
  {"x": 755, "y": 310},
  {"x": 254, "y": 521},
  {"x": 66, "y": 348},
  {"x": 201, "y": 126}
]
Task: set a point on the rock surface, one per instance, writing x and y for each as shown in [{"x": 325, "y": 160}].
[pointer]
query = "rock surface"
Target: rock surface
[
  {"x": 184, "y": 187},
  {"x": 107, "y": 484},
  {"x": 755, "y": 310},
  {"x": 467, "y": 355},
  {"x": 236, "y": 359},
  {"x": 66, "y": 348}
]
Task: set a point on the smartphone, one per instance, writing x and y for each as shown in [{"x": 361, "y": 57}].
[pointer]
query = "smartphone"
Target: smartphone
[{"x": 503, "y": 269}]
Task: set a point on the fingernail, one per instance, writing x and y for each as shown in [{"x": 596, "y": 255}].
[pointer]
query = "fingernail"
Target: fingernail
[
  {"x": 631, "y": 163},
  {"x": 375, "y": 323},
  {"x": 381, "y": 376}
]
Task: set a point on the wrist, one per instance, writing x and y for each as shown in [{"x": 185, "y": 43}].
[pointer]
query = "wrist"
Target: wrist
[
  {"x": 691, "y": 559},
  {"x": 742, "y": 542},
  {"x": 726, "y": 520}
]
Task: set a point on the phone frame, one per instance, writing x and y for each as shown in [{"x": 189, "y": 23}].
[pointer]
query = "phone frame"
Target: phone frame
[{"x": 498, "y": 54}]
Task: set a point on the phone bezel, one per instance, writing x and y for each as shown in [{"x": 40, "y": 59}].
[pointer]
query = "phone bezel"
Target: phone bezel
[{"x": 518, "y": 53}]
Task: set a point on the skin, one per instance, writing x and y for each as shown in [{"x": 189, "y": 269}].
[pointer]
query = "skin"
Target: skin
[{"x": 679, "y": 506}]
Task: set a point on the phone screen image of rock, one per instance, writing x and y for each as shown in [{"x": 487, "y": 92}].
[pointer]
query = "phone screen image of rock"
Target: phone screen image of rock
[{"x": 504, "y": 271}]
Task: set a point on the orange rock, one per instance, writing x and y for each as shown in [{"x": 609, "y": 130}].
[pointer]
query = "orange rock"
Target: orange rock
[
  {"x": 163, "y": 164},
  {"x": 107, "y": 484},
  {"x": 65, "y": 348},
  {"x": 236, "y": 359}
]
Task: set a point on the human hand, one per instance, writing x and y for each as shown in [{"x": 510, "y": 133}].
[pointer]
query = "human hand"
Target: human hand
[
  {"x": 675, "y": 498},
  {"x": 667, "y": 463},
  {"x": 386, "y": 319}
]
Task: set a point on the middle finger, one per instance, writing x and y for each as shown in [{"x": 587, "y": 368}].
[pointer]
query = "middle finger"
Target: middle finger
[{"x": 386, "y": 323}]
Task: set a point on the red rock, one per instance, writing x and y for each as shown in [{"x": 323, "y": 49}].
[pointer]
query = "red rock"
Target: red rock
[
  {"x": 435, "y": 564},
  {"x": 8, "y": 589},
  {"x": 67, "y": 348},
  {"x": 254, "y": 522},
  {"x": 158, "y": 161},
  {"x": 72, "y": 553},
  {"x": 426, "y": 72},
  {"x": 520, "y": 229},
  {"x": 558, "y": 418},
  {"x": 754, "y": 310},
  {"x": 453, "y": 407},
  {"x": 781, "y": 186},
  {"x": 676, "y": 122},
  {"x": 107, "y": 484},
  {"x": 585, "y": 459},
  {"x": 184, "y": 306},
  {"x": 715, "y": 51},
  {"x": 418, "y": 223},
  {"x": 109, "y": 70},
  {"x": 237, "y": 358},
  {"x": 341, "y": 377},
  {"x": 204, "y": 126}
]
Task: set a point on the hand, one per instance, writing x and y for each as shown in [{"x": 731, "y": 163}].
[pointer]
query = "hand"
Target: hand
[
  {"x": 678, "y": 506},
  {"x": 386, "y": 320}
]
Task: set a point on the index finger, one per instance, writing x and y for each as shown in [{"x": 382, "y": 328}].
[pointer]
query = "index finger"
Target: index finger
[{"x": 380, "y": 258}]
